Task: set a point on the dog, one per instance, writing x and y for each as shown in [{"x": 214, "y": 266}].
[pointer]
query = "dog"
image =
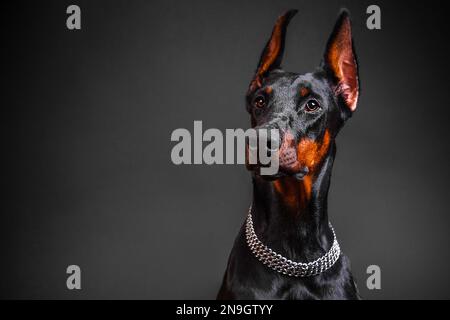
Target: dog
[{"x": 286, "y": 248}]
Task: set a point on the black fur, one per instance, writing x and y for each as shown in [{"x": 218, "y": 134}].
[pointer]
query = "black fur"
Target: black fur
[{"x": 300, "y": 236}]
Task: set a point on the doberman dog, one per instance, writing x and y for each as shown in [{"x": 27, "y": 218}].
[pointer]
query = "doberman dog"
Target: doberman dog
[{"x": 286, "y": 247}]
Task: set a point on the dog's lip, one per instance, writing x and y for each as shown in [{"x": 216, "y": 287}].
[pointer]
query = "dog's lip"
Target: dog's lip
[{"x": 299, "y": 175}]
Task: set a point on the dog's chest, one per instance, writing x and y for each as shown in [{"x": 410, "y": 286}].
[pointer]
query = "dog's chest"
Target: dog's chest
[{"x": 300, "y": 289}]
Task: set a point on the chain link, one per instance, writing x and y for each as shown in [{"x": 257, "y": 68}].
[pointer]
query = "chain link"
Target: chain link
[{"x": 285, "y": 266}]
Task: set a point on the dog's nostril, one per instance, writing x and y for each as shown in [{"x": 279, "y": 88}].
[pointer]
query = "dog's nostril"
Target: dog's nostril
[
  {"x": 273, "y": 144},
  {"x": 269, "y": 148}
]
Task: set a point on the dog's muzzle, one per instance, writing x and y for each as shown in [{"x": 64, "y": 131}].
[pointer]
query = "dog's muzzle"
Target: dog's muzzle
[{"x": 288, "y": 164}]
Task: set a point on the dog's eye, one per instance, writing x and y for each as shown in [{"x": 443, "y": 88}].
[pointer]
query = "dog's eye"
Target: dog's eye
[
  {"x": 259, "y": 102},
  {"x": 312, "y": 105}
]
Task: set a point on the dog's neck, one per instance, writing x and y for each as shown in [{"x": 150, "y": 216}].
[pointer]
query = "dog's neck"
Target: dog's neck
[{"x": 290, "y": 216}]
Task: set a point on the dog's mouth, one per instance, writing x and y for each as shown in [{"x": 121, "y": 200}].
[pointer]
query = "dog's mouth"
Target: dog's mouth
[
  {"x": 298, "y": 175},
  {"x": 288, "y": 162}
]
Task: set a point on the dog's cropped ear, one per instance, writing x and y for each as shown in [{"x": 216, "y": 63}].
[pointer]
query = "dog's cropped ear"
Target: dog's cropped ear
[
  {"x": 273, "y": 52},
  {"x": 340, "y": 62}
]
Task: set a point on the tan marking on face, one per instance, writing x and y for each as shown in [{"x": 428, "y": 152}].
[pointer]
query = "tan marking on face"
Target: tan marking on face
[
  {"x": 310, "y": 153},
  {"x": 304, "y": 92}
]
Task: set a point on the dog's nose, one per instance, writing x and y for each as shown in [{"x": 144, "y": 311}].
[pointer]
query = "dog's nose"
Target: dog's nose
[
  {"x": 272, "y": 137},
  {"x": 269, "y": 144},
  {"x": 273, "y": 143},
  {"x": 288, "y": 154}
]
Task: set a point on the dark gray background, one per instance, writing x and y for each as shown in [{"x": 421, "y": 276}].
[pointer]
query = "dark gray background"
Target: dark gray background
[{"x": 87, "y": 118}]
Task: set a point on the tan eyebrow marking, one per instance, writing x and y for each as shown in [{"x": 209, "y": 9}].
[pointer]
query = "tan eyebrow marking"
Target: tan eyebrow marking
[
  {"x": 304, "y": 92},
  {"x": 268, "y": 90}
]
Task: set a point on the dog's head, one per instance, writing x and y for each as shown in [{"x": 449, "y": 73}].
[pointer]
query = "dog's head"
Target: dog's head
[{"x": 307, "y": 109}]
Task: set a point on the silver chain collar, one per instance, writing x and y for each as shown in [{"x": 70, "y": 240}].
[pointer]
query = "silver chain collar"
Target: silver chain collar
[{"x": 285, "y": 266}]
